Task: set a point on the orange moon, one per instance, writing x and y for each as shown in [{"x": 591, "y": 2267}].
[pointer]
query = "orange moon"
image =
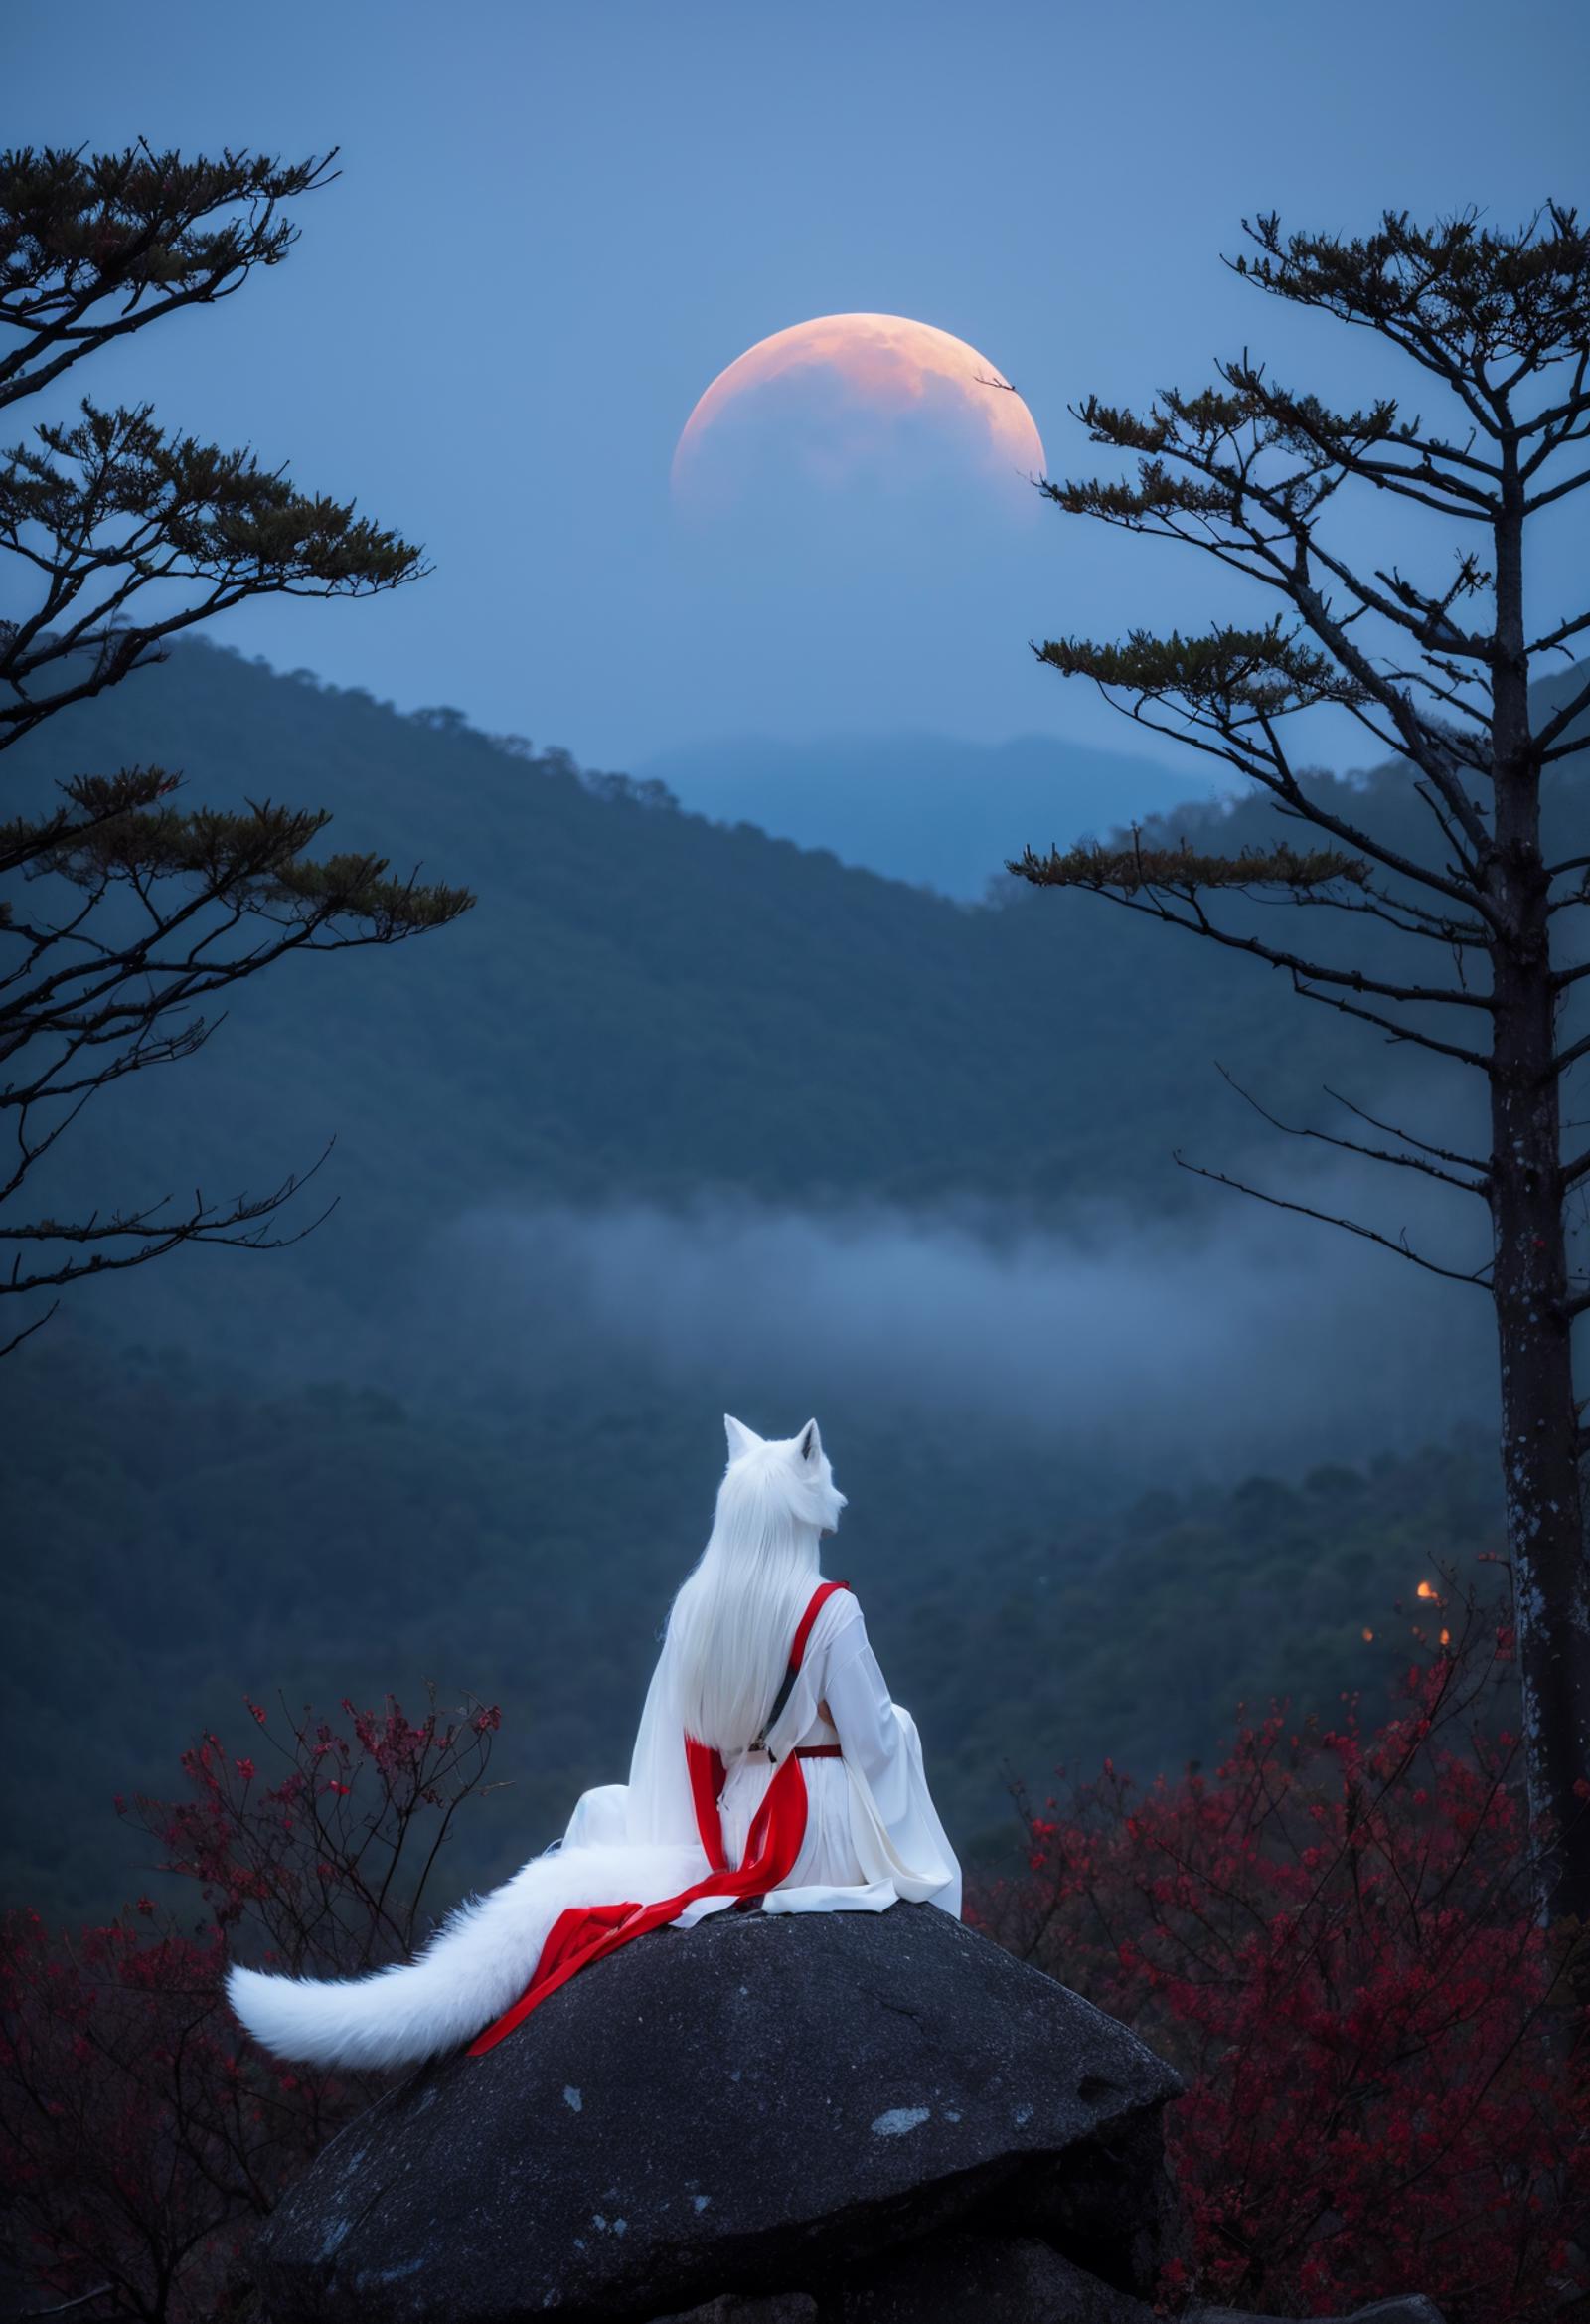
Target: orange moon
[{"x": 889, "y": 363}]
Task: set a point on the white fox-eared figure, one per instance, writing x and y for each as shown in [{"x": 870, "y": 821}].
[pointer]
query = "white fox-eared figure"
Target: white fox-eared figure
[{"x": 771, "y": 1771}]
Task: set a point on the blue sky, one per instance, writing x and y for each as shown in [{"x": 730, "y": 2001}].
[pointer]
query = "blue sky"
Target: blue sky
[{"x": 555, "y": 226}]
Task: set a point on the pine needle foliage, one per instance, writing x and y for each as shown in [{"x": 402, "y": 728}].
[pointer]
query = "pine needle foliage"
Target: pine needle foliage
[
  {"x": 1434, "y": 664},
  {"x": 126, "y": 910},
  {"x": 1182, "y": 870}
]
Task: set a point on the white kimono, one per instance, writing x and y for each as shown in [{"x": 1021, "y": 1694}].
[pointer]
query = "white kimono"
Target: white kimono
[
  {"x": 872, "y": 1836},
  {"x": 872, "y": 1833}
]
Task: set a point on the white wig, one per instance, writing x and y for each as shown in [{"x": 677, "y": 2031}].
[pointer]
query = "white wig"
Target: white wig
[{"x": 734, "y": 1616}]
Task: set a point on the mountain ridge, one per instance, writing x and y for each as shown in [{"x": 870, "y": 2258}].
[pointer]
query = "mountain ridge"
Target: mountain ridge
[
  {"x": 939, "y": 811},
  {"x": 649, "y": 1005},
  {"x": 642, "y": 1001}
]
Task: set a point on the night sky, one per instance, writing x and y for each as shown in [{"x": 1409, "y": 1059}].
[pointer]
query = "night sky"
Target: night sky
[{"x": 554, "y": 226}]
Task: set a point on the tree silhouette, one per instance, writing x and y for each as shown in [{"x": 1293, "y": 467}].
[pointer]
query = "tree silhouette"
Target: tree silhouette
[
  {"x": 1249, "y": 471},
  {"x": 127, "y": 910}
]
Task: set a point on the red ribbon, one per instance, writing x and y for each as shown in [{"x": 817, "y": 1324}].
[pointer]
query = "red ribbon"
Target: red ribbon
[{"x": 587, "y": 1932}]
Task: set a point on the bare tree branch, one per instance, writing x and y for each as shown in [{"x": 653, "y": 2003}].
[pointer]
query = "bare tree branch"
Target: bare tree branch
[
  {"x": 1399, "y": 1246},
  {"x": 1356, "y": 1146}
]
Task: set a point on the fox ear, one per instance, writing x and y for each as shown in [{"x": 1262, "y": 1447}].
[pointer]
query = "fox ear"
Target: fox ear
[
  {"x": 810, "y": 1447},
  {"x": 741, "y": 1439}
]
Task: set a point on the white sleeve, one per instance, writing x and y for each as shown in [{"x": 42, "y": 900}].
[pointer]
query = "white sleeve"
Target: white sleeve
[{"x": 864, "y": 1716}]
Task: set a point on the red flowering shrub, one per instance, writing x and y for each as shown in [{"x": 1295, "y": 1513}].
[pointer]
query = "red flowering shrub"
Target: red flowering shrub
[
  {"x": 1333, "y": 1939},
  {"x": 142, "y": 2136},
  {"x": 1389, "y": 2075}
]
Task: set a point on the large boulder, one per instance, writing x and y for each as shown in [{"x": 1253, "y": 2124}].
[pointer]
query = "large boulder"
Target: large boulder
[
  {"x": 736, "y": 2308},
  {"x": 961, "y": 2277},
  {"x": 757, "y": 2106},
  {"x": 981, "y": 2278}
]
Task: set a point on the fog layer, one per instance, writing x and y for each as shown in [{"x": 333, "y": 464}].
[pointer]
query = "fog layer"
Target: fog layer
[{"x": 1242, "y": 1339}]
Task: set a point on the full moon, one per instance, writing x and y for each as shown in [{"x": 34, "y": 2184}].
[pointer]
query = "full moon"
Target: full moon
[{"x": 886, "y": 368}]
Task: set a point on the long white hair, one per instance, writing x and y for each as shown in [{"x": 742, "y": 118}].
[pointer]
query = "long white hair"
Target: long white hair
[{"x": 736, "y": 1614}]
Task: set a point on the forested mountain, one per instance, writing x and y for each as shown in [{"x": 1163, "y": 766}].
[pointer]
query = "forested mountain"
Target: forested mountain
[
  {"x": 396, "y": 1453},
  {"x": 642, "y": 1001},
  {"x": 645, "y": 1003},
  {"x": 941, "y": 813},
  {"x": 175, "y": 1543}
]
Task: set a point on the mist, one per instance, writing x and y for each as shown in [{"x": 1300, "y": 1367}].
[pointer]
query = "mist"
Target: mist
[{"x": 1235, "y": 1340}]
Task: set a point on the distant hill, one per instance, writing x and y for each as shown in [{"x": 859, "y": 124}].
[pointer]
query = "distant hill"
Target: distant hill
[
  {"x": 939, "y": 812},
  {"x": 649, "y": 1005},
  {"x": 175, "y": 1543},
  {"x": 645, "y": 1002}
]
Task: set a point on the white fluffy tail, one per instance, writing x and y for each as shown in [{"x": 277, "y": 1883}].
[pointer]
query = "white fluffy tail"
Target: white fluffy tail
[
  {"x": 479, "y": 1962},
  {"x": 398, "y": 2014}
]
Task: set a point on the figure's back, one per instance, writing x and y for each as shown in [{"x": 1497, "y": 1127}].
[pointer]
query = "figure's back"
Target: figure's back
[{"x": 771, "y": 1768}]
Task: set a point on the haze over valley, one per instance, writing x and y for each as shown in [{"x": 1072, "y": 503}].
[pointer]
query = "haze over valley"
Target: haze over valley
[{"x": 686, "y": 1118}]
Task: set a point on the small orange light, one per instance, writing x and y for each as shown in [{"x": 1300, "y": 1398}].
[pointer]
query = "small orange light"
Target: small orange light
[
  {"x": 1425, "y": 1591},
  {"x": 1446, "y": 1638},
  {"x": 1368, "y": 1636}
]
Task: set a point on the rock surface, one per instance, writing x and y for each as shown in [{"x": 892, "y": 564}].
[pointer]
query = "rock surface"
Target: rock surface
[
  {"x": 971, "y": 2278},
  {"x": 1113, "y": 2209},
  {"x": 730, "y": 2308},
  {"x": 763, "y": 2102},
  {"x": 983, "y": 2276}
]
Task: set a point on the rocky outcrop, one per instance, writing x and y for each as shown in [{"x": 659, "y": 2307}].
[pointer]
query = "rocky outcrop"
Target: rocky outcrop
[
  {"x": 960, "y": 2279},
  {"x": 837, "y": 2119},
  {"x": 763, "y": 2104},
  {"x": 979, "y": 2278},
  {"x": 731, "y": 2308}
]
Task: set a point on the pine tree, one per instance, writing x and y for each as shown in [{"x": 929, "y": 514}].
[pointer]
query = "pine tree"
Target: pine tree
[
  {"x": 128, "y": 910},
  {"x": 1254, "y": 474}
]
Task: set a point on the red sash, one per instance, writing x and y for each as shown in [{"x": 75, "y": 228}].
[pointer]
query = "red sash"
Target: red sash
[{"x": 586, "y": 1933}]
